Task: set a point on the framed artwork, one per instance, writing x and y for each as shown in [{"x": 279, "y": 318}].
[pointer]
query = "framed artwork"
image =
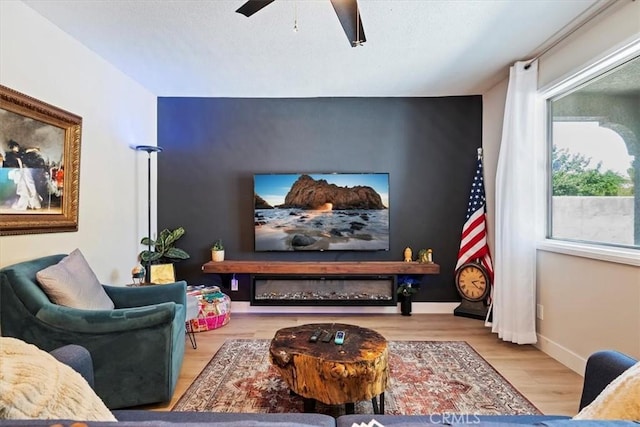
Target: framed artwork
[{"x": 39, "y": 166}]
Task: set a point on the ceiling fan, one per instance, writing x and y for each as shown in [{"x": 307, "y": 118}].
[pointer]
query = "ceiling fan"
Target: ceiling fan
[{"x": 346, "y": 10}]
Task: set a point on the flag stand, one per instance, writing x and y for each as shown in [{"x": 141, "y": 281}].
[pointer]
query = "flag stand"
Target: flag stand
[{"x": 473, "y": 309}]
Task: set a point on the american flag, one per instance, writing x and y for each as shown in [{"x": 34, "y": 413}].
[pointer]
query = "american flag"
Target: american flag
[{"x": 473, "y": 245}]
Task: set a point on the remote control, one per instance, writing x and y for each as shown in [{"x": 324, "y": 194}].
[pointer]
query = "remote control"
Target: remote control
[
  {"x": 339, "y": 337},
  {"x": 315, "y": 336},
  {"x": 327, "y": 336}
]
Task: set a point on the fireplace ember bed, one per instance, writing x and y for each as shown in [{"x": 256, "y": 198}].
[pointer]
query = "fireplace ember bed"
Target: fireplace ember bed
[{"x": 369, "y": 290}]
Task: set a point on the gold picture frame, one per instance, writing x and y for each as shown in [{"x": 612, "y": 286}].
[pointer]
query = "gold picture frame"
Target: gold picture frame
[{"x": 39, "y": 166}]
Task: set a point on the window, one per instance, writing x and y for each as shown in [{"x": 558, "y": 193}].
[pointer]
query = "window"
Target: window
[{"x": 594, "y": 157}]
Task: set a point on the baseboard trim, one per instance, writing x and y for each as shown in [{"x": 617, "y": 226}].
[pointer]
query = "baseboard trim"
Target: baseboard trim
[
  {"x": 562, "y": 354},
  {"x": 416, "y": 307}
]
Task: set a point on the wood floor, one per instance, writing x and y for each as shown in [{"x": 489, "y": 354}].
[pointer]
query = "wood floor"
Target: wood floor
[{"x": 549, "y": 385}]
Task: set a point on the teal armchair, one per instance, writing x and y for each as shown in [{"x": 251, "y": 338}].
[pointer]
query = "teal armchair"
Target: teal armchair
[{"x": 137, "y": 348}]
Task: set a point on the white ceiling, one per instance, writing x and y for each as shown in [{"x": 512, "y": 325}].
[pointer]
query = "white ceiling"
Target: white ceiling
[{"x": 202, "y": 48}]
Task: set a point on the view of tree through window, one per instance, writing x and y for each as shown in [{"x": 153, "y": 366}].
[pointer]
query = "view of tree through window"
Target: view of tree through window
[{"x": 594, "y": 154}]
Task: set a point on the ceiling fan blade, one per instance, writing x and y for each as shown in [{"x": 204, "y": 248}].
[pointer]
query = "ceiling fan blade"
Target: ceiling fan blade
[
  {"x": 252, "y": 6},
  {"x": 348, "y": 14}
]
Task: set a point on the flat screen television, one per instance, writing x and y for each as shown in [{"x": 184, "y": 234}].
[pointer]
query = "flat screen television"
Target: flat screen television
[{"x": 321, "y": 212}]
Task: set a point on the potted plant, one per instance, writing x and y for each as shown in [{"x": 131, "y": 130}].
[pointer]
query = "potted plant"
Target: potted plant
[
  {"x": 161, "y": 254},
  {"x": 406, "y": 290},
  {"x": 217, "y": 251}
]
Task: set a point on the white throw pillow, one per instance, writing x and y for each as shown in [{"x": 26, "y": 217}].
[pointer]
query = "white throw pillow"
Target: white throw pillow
[
  {"x": 73, "y": 283},
  {"x": 34, "y": 385},
  {"x": 620, "y": 400}
]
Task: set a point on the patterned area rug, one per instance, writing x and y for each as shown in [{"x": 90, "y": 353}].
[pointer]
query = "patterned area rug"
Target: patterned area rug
[{"x": 426, "y": 377}]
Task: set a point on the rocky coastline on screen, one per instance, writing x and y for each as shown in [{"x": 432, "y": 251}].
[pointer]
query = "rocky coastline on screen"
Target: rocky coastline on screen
[{"x": 309, "y": 194}]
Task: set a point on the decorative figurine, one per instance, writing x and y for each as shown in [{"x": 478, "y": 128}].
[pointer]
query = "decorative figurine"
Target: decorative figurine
[
  {"x": 408, "y": 254},
  {"x": 430, "y": 256},
  {"x": 423, "y": 256},
  {"x": 137, "y": 274}
]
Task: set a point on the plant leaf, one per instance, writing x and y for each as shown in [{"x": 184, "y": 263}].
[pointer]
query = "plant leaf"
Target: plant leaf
[
  {"x": 170, "y": 237},
  {"x": 147, "y": 256},
  {"x": 147, "y": 241},
  {"x": 176, "y": 253}
]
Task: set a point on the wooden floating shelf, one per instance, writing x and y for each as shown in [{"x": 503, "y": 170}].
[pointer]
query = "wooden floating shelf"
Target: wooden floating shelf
[{"x": 319, "y": 267}]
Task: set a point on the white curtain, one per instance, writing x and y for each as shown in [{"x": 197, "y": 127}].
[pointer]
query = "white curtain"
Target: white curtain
[{"x": 514, "y": 294}]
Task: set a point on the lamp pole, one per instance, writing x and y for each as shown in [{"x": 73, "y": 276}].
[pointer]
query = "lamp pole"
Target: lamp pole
[{"x": 148, "y": 149}]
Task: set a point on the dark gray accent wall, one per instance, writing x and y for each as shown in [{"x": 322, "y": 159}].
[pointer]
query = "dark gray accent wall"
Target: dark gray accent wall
[{"x": 213, "y": 146}]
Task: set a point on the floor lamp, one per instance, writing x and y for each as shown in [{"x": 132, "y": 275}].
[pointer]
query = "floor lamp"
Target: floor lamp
[{"x": 148, "y": 149}]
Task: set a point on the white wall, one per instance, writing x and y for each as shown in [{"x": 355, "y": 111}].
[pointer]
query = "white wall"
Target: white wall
[
  {"x": 39, "y": 60},
  {"x": 588, "y": 304}
]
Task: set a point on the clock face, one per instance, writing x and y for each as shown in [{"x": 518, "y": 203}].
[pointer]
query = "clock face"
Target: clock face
[{"x": 472, "y": 282}]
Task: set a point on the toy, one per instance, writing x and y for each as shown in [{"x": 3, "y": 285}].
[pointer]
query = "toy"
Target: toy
[
  {"x": 425, "y": 256},
  {"x": 408, "y": 254}
]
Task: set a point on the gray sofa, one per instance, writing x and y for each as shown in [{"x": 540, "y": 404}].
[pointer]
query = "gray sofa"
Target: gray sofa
[{"x": 602, "y": 368}]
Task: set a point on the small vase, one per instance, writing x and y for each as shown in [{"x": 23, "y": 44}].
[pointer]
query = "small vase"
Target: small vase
[
  {"x": 217, "y": 256},
  {"x": 405, "y": 305}
]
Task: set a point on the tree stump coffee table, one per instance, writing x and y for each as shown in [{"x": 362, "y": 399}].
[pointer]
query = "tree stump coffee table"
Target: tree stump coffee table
[{"x": 331, "y": 373}]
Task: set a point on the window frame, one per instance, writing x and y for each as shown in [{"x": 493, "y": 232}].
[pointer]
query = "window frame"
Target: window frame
[{"x": 593, "y": 250}]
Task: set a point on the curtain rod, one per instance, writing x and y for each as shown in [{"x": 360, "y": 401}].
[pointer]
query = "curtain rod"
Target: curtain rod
[{"x": 573, "y": 30}]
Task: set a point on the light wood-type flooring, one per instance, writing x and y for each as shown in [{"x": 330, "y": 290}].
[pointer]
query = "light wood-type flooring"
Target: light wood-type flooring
[{"x": 549, "y": 385}]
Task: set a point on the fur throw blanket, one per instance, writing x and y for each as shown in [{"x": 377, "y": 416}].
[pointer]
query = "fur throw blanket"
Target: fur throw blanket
[
  {"x": 34, "y": 385},
  {"x": 620, "y": 400}
]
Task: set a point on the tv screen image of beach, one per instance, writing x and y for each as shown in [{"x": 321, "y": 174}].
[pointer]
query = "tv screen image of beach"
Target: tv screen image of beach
[{"x": 321, "y": 212}]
